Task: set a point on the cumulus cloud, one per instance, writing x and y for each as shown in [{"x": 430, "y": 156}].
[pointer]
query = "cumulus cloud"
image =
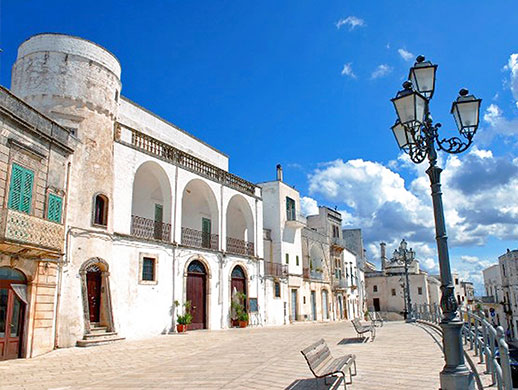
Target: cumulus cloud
[
  {"x": 351, "y": 21},
  {"x": 470, "y": 259},
  {"x": 381, "y": 71},
  {"x": 348, "y": 71},
  {"x": 308, "y": 206},
  {"x": 406, "y": 55},
  {"x": 512, "y": 67},
  {"x": 478, "y": 192}
]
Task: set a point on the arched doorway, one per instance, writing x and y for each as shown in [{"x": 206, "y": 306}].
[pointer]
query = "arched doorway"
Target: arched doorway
[
  {"x": 197, "y": 294},
  {"x": 13, "y": 300},
  {"x": 93, "y": 285},
  {"x": 238, "y": 285}
]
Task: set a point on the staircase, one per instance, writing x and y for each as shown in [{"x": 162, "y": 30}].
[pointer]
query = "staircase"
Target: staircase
[{"x": 98, "y": 335}]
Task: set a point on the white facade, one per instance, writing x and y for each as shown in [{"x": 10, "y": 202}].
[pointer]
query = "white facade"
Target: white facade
[{"x": 146, "y": 201}]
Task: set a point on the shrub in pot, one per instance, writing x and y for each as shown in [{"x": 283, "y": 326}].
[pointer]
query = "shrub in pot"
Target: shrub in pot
[
  {"x": 243, "y": 320},
  {"x": 182, "y": 320}
]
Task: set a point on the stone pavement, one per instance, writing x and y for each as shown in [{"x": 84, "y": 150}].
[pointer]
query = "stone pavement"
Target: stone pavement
[{"x": 402, "y": 356}]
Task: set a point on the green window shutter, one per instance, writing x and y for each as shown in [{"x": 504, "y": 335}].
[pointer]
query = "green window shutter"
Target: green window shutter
[
  {"x": 20, "y": 189},
  {"x": 54, "y": 207}
]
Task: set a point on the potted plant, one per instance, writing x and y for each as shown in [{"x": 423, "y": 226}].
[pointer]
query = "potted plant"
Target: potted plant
[
  {"x": 182, "y": 320},
  {"x": 243, "y": 319},
  {"x": 238, "y": 315}
]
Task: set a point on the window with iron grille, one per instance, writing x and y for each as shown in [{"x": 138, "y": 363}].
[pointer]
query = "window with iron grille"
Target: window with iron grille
[
  {"x": 277, "y": 289},
  {"x": 148, "y": 269}
]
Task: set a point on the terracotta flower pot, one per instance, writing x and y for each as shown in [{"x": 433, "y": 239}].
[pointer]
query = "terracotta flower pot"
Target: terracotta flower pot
[
  {"x": 180, "y": 328},
  {"x": 243, "y": 324}
]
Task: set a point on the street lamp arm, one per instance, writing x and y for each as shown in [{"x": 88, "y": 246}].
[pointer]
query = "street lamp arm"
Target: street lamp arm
[{"x": 454, "y": 145}]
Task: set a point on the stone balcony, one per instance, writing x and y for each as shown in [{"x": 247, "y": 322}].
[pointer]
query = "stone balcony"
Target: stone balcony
[{"x": 30, "y": 236}]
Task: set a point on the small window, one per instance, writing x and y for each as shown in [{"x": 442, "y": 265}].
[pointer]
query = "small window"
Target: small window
[
  {"x": 420, "y": 290},
  {"x": 54, "y": 206},
  {"x": 393, "y": 292},
  {"x": 297, "y": 260},
  {"x": 101, "y": 210},
  {"x": 287, "y": 258},
  {"x": 375, "y": 288},
  {"x": 277, "y": 289},
  {"x": 148, "y": 266}
]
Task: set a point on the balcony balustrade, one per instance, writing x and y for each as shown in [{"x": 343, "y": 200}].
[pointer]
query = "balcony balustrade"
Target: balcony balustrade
[
  {"x": 340, "y": 284},
  {"x": 316, "y": 275},
  {"x": 275, "y": 269},
  {"x": 170, "y": 154},
  {"x": 295, "y": 220},
  {"x": 240, "y": 247},
  {"x": 150, "y": 229},
  {"x": 35, "y": 237},
  {"x": 338, "y": 243},
  {"x": 198, "y": 239}
]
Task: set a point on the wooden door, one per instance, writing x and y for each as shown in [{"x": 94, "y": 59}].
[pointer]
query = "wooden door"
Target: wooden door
[
  {"x": 206, "y": 231},
  {"x": 159, "y": 218},
  {"x": 93, "y": 282},
  {"x": 12, "y": 314},
  {"x": 197, "y": 295}
]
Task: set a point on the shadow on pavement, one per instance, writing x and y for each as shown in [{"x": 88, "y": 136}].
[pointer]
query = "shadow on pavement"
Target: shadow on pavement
[
  {"x": 353, "y": 340},
  {"x": 314, "y": 384}
]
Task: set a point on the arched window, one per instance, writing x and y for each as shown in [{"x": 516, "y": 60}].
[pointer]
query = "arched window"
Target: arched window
[
  {"x": 196, "y": 267},
  {"x": 100, "y": 210},
  {"x": 238, "y": 272}
]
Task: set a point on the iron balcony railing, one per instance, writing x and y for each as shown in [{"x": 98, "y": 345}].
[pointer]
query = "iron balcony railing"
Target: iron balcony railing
[
  {"x": 315, "y": 275},
  {"x": 150, "y": 229},
  {"x": 240, "y": 247},
  {"x": 275, "y": 269},
  {"x": 340, "y": 283},
  {"x": 480, "y": 336},
  {"x": 338, "y": 242},
  {"x": 169, "y": 153},
  {"x": 197, "y": 239}
]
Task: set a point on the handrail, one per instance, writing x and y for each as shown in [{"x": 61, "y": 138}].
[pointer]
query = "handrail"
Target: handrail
[{"x": 488, "y": 343}]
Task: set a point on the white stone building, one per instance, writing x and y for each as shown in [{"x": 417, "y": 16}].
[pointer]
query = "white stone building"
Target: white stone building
[
  {"x": 153, "y": 215},
  {"x": 385, "y": 289},
  {"x": 493, "y": 301},
  {"x": 309, "y": 273},
  {"x": 508, "y": 264}
]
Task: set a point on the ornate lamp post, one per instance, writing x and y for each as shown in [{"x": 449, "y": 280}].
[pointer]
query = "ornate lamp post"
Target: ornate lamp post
[
  {"x": 418, "y": 136},
  {"x": 408, "y": 256}
]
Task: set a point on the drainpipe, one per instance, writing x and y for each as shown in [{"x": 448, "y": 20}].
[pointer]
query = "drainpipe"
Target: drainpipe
[
  {"x": 173, "y": 319},
  {"x": 63, "y": 261}
]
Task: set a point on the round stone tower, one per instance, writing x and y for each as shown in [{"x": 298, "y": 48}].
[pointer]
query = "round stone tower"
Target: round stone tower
[{"x": 77, "y": 83}]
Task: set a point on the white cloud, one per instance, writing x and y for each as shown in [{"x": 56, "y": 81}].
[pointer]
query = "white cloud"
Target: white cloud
[
  {"x": 381, "y": 71},
  {"x": 308, "y": 206},
  {"x": 470, "y": 259},
  {"x": 351, "y": 21},
  {"x": 348, "y": 71},
  {"x": 512, "y": 67},
  {"x": 406, "y": 55}
]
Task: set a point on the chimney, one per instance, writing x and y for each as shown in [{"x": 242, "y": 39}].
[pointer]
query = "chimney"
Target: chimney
[
  {"x": 279, "y": 172},
  {"x": 383, "y": 255}
]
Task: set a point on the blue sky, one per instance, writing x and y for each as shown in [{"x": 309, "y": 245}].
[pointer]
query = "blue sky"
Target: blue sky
[{"x": 308, "y": 84}]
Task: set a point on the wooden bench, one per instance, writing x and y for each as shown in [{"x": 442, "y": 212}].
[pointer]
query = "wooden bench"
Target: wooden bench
[
  {"x": 322, "y": 364},
  {"x": 362, "y": 329},
  {"x": 375, "y": 319}
]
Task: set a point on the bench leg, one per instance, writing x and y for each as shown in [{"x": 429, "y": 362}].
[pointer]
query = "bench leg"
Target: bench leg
[{"x": 355, "y": 372}]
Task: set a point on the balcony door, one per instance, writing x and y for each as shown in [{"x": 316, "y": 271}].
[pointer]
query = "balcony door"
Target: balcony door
[
  {"x": 205, "y": 232},
  {"x": 13, "y": 298},
  {"x": 159, "y": 219}
]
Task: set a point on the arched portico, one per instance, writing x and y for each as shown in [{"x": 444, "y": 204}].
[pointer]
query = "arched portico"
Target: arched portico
[
  {"x": 200, "y": 216},
  {"x": 95, "y": 288},
  {"x": 240, "y": 227},
  {"x": 151, "y": 203}
]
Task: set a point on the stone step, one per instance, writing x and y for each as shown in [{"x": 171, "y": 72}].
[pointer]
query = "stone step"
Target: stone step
[
  {"x": 98, "y": 341},
  {"x": 99, "y": 335},
  {"x": 98, "y": 329}
]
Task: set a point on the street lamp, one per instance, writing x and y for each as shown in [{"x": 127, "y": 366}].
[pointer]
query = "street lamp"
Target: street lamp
[
  {"x": 418, "y": 136},
  {"x": 407, "y": 255}
]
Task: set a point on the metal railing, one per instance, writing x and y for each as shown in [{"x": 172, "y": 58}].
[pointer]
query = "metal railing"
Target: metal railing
[
  {"x": 275, "y": 269},
  {"x": 197, "y": 239},
  {"x": 150, "y": 229},
  {"x": 490, "y": 346},
  {"x": 240, "y": 247},
  {"x": 487, "y": 342}
]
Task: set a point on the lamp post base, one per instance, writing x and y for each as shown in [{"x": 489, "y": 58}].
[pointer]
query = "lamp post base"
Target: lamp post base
[{"x": 455, "y": 374}]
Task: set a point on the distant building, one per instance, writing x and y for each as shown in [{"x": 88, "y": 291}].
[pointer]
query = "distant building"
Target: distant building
[
  {"x": 493, "y": 300},
  {"x": 385, "y": 289}
]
